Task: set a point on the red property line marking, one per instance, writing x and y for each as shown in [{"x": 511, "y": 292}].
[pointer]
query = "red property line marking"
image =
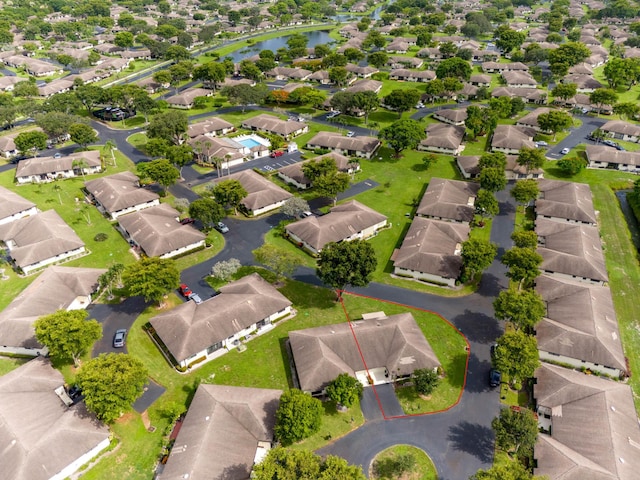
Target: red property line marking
[{"x": 466, "y": 366}]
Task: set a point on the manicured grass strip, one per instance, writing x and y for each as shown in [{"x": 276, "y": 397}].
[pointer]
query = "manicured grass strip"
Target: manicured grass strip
[{"x": 8, "y": 364}]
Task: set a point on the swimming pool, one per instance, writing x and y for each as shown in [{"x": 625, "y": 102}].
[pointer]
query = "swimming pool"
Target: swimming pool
[{"x": 249, "y": 143}]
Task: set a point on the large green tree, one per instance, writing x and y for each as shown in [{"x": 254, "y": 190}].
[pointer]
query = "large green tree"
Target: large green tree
[
  {"x": 30, "y": 142},
  {"x": 523, "y": 308},
  {"x": 454, "y": 67},
  {"x": 517, "y": 355},
  {"x": 403, "y": 134},
  {"x": 82, "y": 134},
  {"x": 299, "y": 416},
  {"x": 347, "y": 263},
  {"x": 602, "y": 97},
  {"x": 244, "y": 94},
  {"x": 531, "y": 158},
  {"x": 509, "y": 39},
  {"x": 523, "y": 264},
  {"x": 288, "y": 464},
  {"x": 330, "y": 185},
  {"x": 525, "y": 191},
  {"x": 171, "y": 125},
  {"x": 565, "y": 91},
  {"x": 151, "y": 277},
  {"x": 366, "y": 102},
  {"x": 67, "y": 334},
  {"x": 207, "y": 210},
  {"x": 506, "y": 471},
  {"x": 493, "y": 179},
  {"x": 477, "y": 255},
  {"x": 345, "y": 390},
  {"x": 111, "y": 383},
  {"x": 212, "y": 73},
  {"x": 280, "y": 261},
  {"x": 555, "y": 121},
  {"x": 160, "y": 171},
  {"x": 402, "y": 100},
  {"x": 524, "y": 238},
  {"x": 516, "y": 430},
  {"x": 480, "y": 120},
  {"x": 486, "y": 204},
  {"x": 229, "y": 192}
]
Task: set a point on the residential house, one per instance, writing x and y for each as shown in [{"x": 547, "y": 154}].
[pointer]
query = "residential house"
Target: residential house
[
  {"x": 571, "y": 251},
  {"x": 8, "y": 147},
  {"x": 405, "y": 62},
  {"x": 528, "y": 95},
  {"x": 602, "y": 156},
  {"x": 45, "y": 439},
  {"x": 375, "y": 350},
  {"x": 7, "y": 83},
  {"x": 584, "y": 83},
  {"x": 530, "y": 120},
  {"x": 320, "y": 76},
  {"x": 510, "y": 139},
  {"x": 582, "y": 102},
  {"x": 211, "y": 127},
  {"x": 39, "y": 240},
  {"x": 565, "y": 202},
  {"x": 580, "y": 327},
  {"x": 452, "y": 116},
  {"x": 57, "y": 288},
  {"x": 235, "y": 422},
  {"x": 432, "y": 53},
  {"x": 59, "y": 85},
  {"x": 119, "y": 194},
  {"x": 361, "y": 72},
  {"x": 621, "y": 130},
  {"x": 496, "y": 67},
  {"x": 468, "y": 166},
  {"x": 443, "y": 138},
  {"x": 431, "y": 251},
  {"x": 186, "y": 98},
  {"x": 360, "y": 146},
  {"x": 262, "y": 195},
  {"x": 406, "y": 75},
  {"x": 33, "y": 66},
  {"x": 349, "y": 221},
  {"x": 591, "y": 426},
  {"x": 287, "y": 129},
  {"x": 519, "y": 79},
  {"x": 14, "y": 207},
  {"x": 287, "y": 73},
  {"x": 158, "y": 233},
  {"x": 205, "y": 331},
  {"x": 397, "y": 46},
  {"x": 49, "y": 169},
  {"x": 365, "y": 85},
  {"x": 229, "y": 151},
  {"x": 294, "y": 175},
  {"x": 449, "y": 200},
  {"x": 480, "y": 80}
]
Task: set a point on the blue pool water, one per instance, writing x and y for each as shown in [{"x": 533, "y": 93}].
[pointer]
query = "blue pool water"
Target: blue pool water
[{"x": 249, "y": 143}]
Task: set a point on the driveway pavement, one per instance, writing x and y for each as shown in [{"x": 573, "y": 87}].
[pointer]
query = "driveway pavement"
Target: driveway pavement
[
  {"x": 113, "y": 317},
  {"x": 576, "y": 136}
]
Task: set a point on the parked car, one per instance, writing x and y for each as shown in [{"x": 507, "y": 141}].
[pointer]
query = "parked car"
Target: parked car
[
  {"x": 187, "y": 221},
  {"x": 306, "y": 214},
  {"x": 277, "y": 153},
  {"x": 351, "y": 134},
  {"x": 195, "y": 297},
  {"x": 609, "y": 143},
  {"x": 495, "y": 378},
  {"x": 221, "y": 227},
  {"x": 57, "y": 155},
  {"x": 333, "y": 114},
  {"x": 119, "y": 338},
  {"x": 620, "y": 147},
  {"x": 564, "y": 151},
  {"x": 420, "y": 105},
  {"x": 185, "y": 291},
  {"x": 74, "y": 392},
  {"x": 494, "y": 350},
  {"x": 541, "y": 143}
]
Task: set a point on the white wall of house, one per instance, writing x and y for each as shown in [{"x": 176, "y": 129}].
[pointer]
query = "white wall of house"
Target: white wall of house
[
  {"x": 73, "y": 467},
  {"x": 51, "y": 176},
  {"x": 623, "y": 167},
  {"x": 562, "y": 220},
  {"x": 267, "y": 208},
  {"x": 27, "y": 269},
  {"x": 443, "y": 150},
  {"x": 577, "y": 363},
  {"x": 508, "y": 151},
  {"x": 565, "y": 276},
  {"x": 16, "y": 216},
  {"x": 135, "y": 208},
  {"x": 295, "y": 183},
  {"x": 424, "y": 276},
  {"x": 32, "y": 352},
  {"x": 184, "y": 249},
  {"x": 511, "y": 175}
]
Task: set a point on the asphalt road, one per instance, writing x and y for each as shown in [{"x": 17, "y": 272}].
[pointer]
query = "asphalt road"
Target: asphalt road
[{"x": 576, "y": 136}]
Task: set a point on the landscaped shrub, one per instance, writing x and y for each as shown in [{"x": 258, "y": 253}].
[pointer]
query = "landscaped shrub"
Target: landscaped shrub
[
  {"x": 425, "y": 381},
  {"x": 101, "y": 237}
]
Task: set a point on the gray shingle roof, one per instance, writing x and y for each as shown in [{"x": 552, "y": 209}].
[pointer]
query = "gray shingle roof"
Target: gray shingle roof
[
  {"x": 261, "y": 192},
  {"x": 273, "y": 124},
  {"x": 11, "y": 203},
  {"x": 449, "y": 199},
  {"x": 44, "y": 165},
  {"x": 394, "y": 342},
  {"x": 39, "y": 237},
  {"x": 190, "y": 328},
  {"x": 430, "y": 246},
  {"x": 565, "y": 200},
  {"x": 336, "y": 140},
  {"x": 229, "y": 421},
  {"x": 40, "y": 435},
  {"x": 119, "y": 191}
]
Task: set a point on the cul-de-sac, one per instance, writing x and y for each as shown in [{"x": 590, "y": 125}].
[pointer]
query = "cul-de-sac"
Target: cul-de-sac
[{"x": 319, "y": 240}]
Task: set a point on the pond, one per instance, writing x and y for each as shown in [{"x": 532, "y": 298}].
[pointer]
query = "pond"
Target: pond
[
  {"x": 629, "y": 217},
  {"x": 315, "y": 38}
]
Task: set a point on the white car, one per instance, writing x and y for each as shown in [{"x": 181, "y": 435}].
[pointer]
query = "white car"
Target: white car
[
  {"x": 564, "y": 151},
  {"x": 350, "y": 134},
  {"x": 333, "y": 114}
]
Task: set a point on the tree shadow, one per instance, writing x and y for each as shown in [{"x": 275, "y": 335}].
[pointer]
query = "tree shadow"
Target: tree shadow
[
  {"x": 474, "y": 439},
  {"x": 478, "y": 327},
  {"x": 477, "y": 375},
  {"x": 490, "y": 285},
  {"x": 231, "y": 472}
]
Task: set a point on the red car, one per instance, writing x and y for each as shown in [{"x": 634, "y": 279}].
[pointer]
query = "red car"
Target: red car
[
  {"x": 185, "y": 291},
  {"x": 187, "y": 221},
  {"x": 277, "y": 153}
]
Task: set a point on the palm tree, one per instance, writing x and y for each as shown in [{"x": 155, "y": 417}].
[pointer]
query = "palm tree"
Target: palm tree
[
  {"x": 79, "y": 164},
  {"x": 110, "y": 146},
  {"x": 217, "y": 161}
]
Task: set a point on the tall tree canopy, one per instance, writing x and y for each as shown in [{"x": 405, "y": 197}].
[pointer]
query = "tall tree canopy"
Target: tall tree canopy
[
  {"x": 281, "y": 463},
  {"x": 151, "y": 277},
  {"x": 299, "y": 416},
  {"x": 347, "y": 263}
]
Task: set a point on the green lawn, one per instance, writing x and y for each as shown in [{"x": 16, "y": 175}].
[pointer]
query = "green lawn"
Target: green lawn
[
  {"x": 9, "y": 364},
  {"x": 423, "y": 469}
]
